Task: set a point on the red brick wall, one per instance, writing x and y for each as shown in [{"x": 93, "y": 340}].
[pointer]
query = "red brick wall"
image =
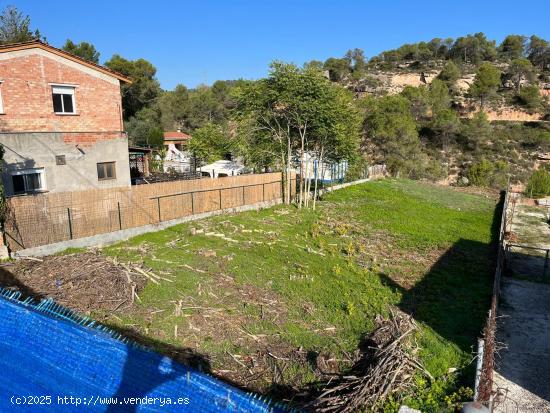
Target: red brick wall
[{"x": 27, "y": 98}]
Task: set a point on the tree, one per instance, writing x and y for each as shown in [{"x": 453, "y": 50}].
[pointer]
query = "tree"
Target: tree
[
  {"x": 419, "y": 100},
  {"x": 486, "y": 82},
  {"x": 474, "y": 49},
  {"x": 446, "y": 124},
  {"x": 450, "y": 74},
  {"x": 438, "y": 96},
  {"x": 85, "y": 50},
  {"x": 337, "y": 68},
  {"x": 210, "y": 143},
  {"x": 477, "y": 131},
  {"x": 356, "y": 61},
  {"x": 520, "y": 71},
  {"x": 144, "y": 89},
  {"x": 15, "y": 28},
  {"x": 391, "y": 129},
  {"x": 512, "y": 47},
  {"x": 297, "y": 111},
  {"x": 538, "y": 52},
  {"x": 144, "y": 128},
  {"x": 530, "y": 98}
]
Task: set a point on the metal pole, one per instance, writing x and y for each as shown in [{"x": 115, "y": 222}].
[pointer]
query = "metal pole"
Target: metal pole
[
  {"x": 546, "y": 263},
  {"x": 263, "y": 192},
  {"x": 220, "y": 193},
  {"x": 192, "y": 204},
  {"x": 70, "y": 223},
  {"x": 243, "y": 195},
  {"x": 158, "y": 206},
  {"x": 119, "y": 217}
]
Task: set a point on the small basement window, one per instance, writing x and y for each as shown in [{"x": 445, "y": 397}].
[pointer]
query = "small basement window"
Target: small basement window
[
  {"x": 63, "y": 99},
  {"x": 28, "y": 181},
  {"x": 106, "y": 170}
]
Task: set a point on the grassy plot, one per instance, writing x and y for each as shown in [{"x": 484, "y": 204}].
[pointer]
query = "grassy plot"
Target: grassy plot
[{"x": 274, "y": 298}]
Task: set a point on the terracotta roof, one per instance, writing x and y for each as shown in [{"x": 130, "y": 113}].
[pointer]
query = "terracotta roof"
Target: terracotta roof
[
  {"x": 44, "y": 46},
  {"x": 176, "y": 136}
]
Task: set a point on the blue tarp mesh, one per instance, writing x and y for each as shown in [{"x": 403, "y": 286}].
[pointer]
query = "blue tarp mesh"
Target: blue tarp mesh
[{"x": 53, "y": 360}]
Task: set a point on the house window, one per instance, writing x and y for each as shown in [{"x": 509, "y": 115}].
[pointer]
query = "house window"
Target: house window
[
  {"x": 60, "y": 160},
  {"x": 28, "y": 180},
  {"x": 63, "y": 99},
  {"x": 106, "y": 170}
]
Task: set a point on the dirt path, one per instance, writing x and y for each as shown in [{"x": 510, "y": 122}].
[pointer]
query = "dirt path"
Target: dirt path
[
  {"x": 523, "y": 368},
  {"x": 522, "y": 375}
]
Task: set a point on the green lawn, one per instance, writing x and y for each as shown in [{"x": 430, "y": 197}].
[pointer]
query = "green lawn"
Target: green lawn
[{"x": 259, "y": 293}]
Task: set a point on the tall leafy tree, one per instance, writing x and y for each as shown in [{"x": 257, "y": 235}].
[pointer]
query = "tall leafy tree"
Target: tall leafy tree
[
  {"x": 512, "y": 47},
  {"x": 446, "y": 124},
  {"x": 210, "y": 143},
  {"x": 450, "y": 74},
  {"x": 520, "y": 71},
  {"x": 144, "y": 89},
  {"x": 474, "y": 49},
  {"x": 338, "y": 69},
  {"x": 477, "y": 131},
  {"x": 85, "y": 50},
  {"x": 438, "y": 96},
  {"x": 298, "y": 110},
  {"x": 538, "y": 52},
  {"x": 15, "y": 27},
  {"x": 486, "y": 82},
  {"x": 391, "y": 132}
]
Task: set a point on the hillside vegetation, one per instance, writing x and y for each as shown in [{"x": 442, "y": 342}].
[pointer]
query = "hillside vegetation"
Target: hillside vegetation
[{"x": 278, "y": 298}]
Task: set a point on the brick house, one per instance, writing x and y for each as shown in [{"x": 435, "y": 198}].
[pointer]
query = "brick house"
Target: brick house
[{"x": 60, "y": 122}]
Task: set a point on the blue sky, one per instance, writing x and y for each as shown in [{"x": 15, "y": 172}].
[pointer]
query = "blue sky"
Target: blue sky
[{"x": 193, "y": 42}]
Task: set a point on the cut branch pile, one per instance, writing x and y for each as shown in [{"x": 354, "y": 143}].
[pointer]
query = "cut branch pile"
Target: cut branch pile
[
  {"x": 85, "y": 282},
  {"x": 386, "y": 367}
]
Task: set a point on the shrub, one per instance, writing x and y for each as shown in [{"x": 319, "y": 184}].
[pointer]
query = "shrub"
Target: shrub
[
  {"x": 539, "y": 184},
  {"x": 530, "y": 98},
  {"x": 480, "y": 173}
]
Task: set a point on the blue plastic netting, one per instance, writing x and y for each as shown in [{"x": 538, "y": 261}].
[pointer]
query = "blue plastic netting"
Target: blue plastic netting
[{"x": 49, "y": 354}]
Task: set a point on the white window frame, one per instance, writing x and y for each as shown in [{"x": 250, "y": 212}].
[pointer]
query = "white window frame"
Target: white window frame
[
  {"x": 30, "y": 171},
  {"x": 63, "y": 89}
]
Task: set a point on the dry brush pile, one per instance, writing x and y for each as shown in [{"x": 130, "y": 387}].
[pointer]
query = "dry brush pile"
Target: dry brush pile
[{"x": 386, "y": 367}]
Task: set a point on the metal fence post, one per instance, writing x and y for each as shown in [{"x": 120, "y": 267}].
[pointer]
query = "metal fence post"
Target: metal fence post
[
  {"x": 192, "y": 203},
  {"x": 158, "y": 206},
  {"x": 119, "y": 217},
  {"x": 546, "y": 263},
  {"x": 220, "y": 193},
  {"x": 263, "y": 192},
  {"x": 70, "y": 223},
  {"x": 243, "y": 194}
]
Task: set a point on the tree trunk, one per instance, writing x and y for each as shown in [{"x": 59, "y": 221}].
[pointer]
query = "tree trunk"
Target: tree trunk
[
  {"x": 317, "y": 178},
  {"x": 288, "y": 172},
  {"x": 301, "y": 197}
]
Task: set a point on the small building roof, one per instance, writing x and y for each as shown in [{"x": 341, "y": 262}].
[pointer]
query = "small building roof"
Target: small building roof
[
  {"x": 176, "y": 136},
  {"x": 37, "y": 44}
]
